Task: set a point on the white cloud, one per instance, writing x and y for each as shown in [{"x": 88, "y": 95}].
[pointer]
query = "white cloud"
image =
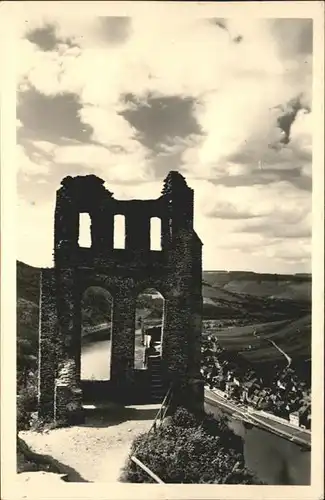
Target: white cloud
[
  {"x": 301, "y": 139},
  {"x": 28, "y": 167},
  {"x": 259, "y": 219},
  {"x": 118, "y": 135},
  {"x": 116, "y": 167},
  {"x": 237, "y": 85},
  {"x": 236, "y": 88},
  {"x": 45, "y": 146},
  {"x": 280, "y": 199}
]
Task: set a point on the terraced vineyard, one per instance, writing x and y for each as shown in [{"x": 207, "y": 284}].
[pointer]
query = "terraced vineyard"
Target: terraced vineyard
[{"x": 292, "y": 336}]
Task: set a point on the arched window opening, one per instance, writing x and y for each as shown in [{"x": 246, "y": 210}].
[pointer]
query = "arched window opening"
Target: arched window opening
[
  {"x": 96, "y": 330},
  {"x": 155, "y": 233},
  {"x": 119, "y": 231},
  {"x": 148, "y": 326},
  {"x": 84, "y": 230}
]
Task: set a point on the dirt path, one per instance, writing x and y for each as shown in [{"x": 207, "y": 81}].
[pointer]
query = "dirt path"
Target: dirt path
[{"x": 96, "y": 450}]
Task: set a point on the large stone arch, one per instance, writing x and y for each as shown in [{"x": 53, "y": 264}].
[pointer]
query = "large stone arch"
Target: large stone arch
[
  {"x": 157, "y": 284},
  {"x": 175, "y": 271}
]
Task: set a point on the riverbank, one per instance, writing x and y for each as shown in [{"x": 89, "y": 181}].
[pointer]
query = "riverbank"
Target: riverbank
[
  {"x": 261, "y": 419},
  {"x": 98, "y": 333},
  {"x": 273, "y": 459}
]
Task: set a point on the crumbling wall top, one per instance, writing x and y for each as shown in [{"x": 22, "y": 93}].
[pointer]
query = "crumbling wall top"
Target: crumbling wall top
[
  {"x": 174, "y": 182},
  {"x": 84, "y": 183},
  {"x": 85, "y": 192}
]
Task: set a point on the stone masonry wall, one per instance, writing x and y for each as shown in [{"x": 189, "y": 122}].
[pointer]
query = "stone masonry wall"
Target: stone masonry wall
[
  {"x": 182, "y": 324},
  {"x": 48, "y": 344},
  {"x": 123, "y": 338},
  {"x": 67, "y": 386}
]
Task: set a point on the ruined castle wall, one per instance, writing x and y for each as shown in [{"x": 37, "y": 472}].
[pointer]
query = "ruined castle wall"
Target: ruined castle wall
[
  {"x": 67, "y": 384},
  {"x": 48, "y": 344},
  {"x": 175, "y": 272},
  {"x": 182, "y": 323},
  {"x": 197, "y": 307}
]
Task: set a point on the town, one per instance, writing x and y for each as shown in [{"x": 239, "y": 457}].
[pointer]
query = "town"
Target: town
[{"x": 277, "y": 390}]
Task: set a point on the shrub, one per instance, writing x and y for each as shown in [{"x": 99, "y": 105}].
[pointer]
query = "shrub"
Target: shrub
[
  {"x": 26, "y": 405},
  {"x": 186, "y": 451},
  {"x": 183, "y": 418}
]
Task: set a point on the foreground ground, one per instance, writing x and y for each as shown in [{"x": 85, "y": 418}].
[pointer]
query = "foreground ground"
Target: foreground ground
[{"x": 97, "y": 450}]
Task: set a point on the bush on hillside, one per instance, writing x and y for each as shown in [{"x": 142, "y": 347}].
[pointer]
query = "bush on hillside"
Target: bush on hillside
[{"x": 187, "y": 450}]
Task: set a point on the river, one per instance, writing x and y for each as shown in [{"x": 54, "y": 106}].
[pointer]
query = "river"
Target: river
[
  {"x": 273, "y": 459},
  {"x": 95, "y": 360}
]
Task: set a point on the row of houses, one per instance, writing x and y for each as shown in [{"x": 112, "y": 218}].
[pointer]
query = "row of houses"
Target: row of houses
[
  {"x": 248, "y": 394},
  {"x": 280, "y": 393}
]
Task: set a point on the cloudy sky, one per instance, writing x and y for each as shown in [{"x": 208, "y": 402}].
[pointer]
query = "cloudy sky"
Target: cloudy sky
[{"x": 227, "y": 102}]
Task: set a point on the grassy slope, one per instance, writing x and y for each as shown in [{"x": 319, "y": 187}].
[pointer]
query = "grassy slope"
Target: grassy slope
[{"x": 293, "y": 336}]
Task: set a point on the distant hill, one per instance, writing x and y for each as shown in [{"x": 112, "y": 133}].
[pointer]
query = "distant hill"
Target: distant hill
[
  {"x": 229, "y": 286},
  {"x": 284, "y": 286},
  {"x": 28, "y": 282}
]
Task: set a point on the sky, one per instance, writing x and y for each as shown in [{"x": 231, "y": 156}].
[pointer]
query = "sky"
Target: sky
[{"x": 226, "y": 102}]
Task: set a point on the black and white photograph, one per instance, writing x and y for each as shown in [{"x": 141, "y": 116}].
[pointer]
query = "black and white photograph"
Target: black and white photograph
[{"x": 164, "y": 211}]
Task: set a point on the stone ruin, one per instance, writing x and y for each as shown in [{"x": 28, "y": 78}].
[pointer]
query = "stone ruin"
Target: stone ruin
[{"x": 175, "y": 271}]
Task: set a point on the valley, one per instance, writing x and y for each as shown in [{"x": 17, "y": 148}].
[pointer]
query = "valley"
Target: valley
[{"x": 235, "y": 305}]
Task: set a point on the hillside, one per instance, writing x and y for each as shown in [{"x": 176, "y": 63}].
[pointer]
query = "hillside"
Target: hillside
[
  {"x": 28, "y": 282},
  {"x": 292, "y": 336},
  {"x": 282, "y": 286}
]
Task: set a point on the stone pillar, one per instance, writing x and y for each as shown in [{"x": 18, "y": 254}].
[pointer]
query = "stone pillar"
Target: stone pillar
[
  {"x": 166, "y": 233},
  {"x": 197, "y": 313},
  {"x": 68, "y": 380},
  {"x": 123, "y": 337},
  {"x": 77, "y": 326},
  {"x": 137, "y": 231},
  {"x": 66, "y": 228},
  {"x": 102, "y": 226},
  {"x": 175, "y": 337},
  {"x": 195, "y": 333},
  {"x": 68, "y": 396},
  {"x": 48, "y": 328},
  {"x": 182, "y": 326},
  {"x": 178, "y": 354}
]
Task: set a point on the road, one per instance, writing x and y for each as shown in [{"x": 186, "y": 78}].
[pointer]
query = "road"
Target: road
[
  {"x": 254, "y": 417},
  {"x": 289, "y": 360}
]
